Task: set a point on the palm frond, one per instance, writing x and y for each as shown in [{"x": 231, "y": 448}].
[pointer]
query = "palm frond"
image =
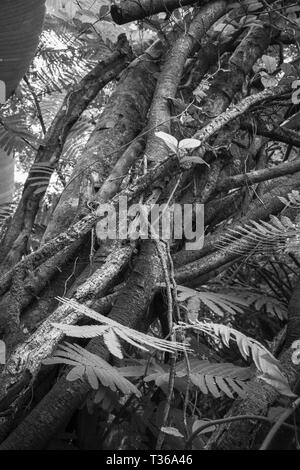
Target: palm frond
[
  {"x": 15, "y": 134},
  {"x": 281, "y": 235},
  {"x": 113, "y": 331},
  {"x": 216, "y": 378},
  {"x": 264, "y": 361},
  {"x": 218, "y": 302},
  {"x": 95, "y": 369}
]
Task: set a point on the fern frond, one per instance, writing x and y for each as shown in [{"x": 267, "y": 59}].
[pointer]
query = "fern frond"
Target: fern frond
[
  {"x": 263, "y": 237},
  {"x": 15, "y": 134},
  {"x": 6, "y": 210},
  {"x": 133, "y": 337},
  {"x": 216, "y": 378},
  {"x": 95, "y": 369},
  {"x": 263, "y": 359}
]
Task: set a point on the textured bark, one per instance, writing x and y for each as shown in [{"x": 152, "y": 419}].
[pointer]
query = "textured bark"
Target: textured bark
[
  {"x": 169, "y": 79},
  {"x": 122, "y": 119},
  {"x": 28, "y": 356},
  {"x": 258, "y": 176},
  {"x": 226, "y": 83},
  {"x": 80, "y": 229},
  {"x": 257, "y": 211},
  {"x": 24, "y": 363},
  {"x": 76, "y": 101}
]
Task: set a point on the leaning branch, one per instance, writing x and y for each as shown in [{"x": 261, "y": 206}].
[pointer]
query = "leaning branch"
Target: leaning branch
[
  {"x": 65, "y": 397},
  {"x": 169, "y": 79},
  {"x": 132, "y": 10},
  {"x": 236, "y": 111},
  {"x": 258, "y": 176},
  {"x": 24, "y": 363},
  {"x": 75, "y": 102}
]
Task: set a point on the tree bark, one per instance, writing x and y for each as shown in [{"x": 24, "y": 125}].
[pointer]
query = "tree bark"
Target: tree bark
[{"x": 65, "y": 397}]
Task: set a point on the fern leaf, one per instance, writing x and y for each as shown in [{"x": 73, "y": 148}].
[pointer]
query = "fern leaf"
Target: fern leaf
[
  {"x": 213, "y": 378},
  {"x": 127, "y": 334},
  {"x": 259, "y": 237},
  {"x": 262, "y": 358},
  {"x": 112, "y": 343},
  {"x": 91, "y": 367}
]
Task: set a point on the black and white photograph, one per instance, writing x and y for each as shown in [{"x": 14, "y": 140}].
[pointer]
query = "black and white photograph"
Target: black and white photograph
[{"x": 150, "y": 228}]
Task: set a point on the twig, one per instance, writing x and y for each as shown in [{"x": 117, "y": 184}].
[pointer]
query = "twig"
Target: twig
[{"x": 227, "y": 420}]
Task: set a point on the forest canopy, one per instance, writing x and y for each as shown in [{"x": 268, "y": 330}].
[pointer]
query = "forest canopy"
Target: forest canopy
[{"x": 149, "y": 224}]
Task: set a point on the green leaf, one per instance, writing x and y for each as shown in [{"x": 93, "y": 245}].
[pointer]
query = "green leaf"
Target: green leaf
[
  {"x": 92, "y": 367},
  {"x": 169, "y": 140},
  {"x": 189, "y": 144},
  {"x": 193, "y": 307},
  {"x": 268, "y": 81},
  {"x": 270, "y": 63},
  {"x": 91, "y": 377},
  {"x": 112, "y": 343},
  {"x": 279, "y": 382},
  {"x": 201, "y": 422},
  {"x": 172, "y": 431},
  {"x": 76, "y": 373}
]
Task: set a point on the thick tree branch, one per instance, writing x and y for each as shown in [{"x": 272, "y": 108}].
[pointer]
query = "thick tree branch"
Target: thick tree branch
[
  {"x": 280, "y": 134},
  {"x": 76, "y": 101},
  {"x": 25, "y": 361},
  {"x": 241, "y": 436},
  {"x": 65, "y": 397},
  {"x": 169, "y": 79},
  {"x": 131, "y": 10},
  {"x": 258, "y": 210},
  {"x": 257, "y": 176}
]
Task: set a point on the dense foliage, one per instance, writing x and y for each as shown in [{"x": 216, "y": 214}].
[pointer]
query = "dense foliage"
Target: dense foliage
[{"x": 137, "y": 342}]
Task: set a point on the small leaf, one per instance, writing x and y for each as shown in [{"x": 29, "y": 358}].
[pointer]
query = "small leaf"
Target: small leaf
[
  {"x": 189, "y": 144},
  {"x": 201, "y": 422},
  {"x": 270, "y": 63},
  {"x": 268, "y": 81},
  {"x": 172, "y": 431},
  {"x": 76, "y": 373},
  {"x": 169, "y": 140},
  {"x": 219, "y": 27},
  {"x": 280, "y": 384},
  {"x": 253, "y": 6},
  {"x": 112, "y": 343},
  {"x": 275, "y": 412},
  {"x": 296, "y": 353}
]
